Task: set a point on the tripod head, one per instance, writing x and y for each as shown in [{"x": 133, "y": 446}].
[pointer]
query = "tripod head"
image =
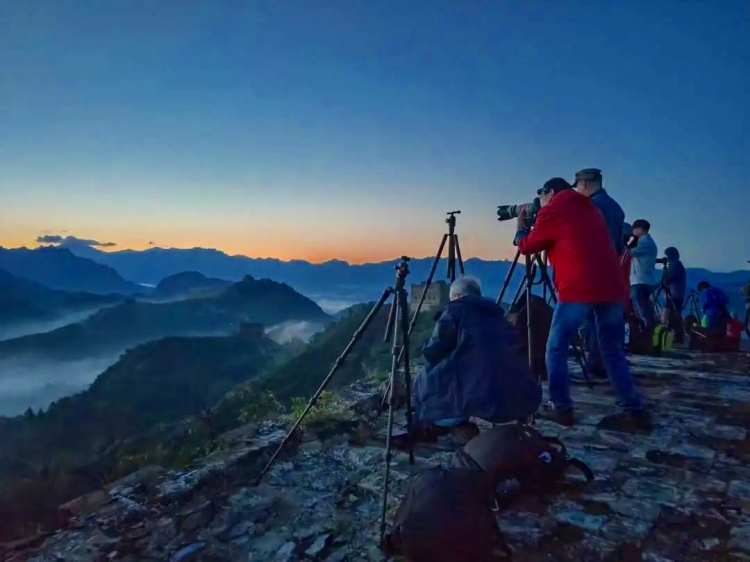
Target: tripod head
[
  {"x": 451, "y": 220},
  {"x": 402, "y": 270}
]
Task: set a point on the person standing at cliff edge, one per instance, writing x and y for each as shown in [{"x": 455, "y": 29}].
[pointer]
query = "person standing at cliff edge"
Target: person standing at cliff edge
[
  {"x": 588, "y": 277},
  {"x": 588, "y": 182}
]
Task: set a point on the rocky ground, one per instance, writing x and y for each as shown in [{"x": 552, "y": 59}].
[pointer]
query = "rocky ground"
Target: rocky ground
[{"x": 680, "y": 493}]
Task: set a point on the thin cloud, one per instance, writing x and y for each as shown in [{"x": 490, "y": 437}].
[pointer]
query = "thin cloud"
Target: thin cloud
[{"x": 57, "y": 239}]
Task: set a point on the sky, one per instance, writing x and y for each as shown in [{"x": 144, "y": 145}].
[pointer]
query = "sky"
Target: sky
[{"x": 346, "y": 130}]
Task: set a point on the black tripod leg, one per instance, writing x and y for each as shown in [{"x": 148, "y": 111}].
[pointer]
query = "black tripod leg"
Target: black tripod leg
[
  {"x": 422, "y": 297},
  {"x": 403, "y": 359},
  {"x": 339, "y": 360},
  {"x": 529, "y": 331},
  {"x": 508, "y": 277},
  {"x": 397, "y": 342},
  {"x": 458, "y": 255},
  {"x": 427, "y": 284}
]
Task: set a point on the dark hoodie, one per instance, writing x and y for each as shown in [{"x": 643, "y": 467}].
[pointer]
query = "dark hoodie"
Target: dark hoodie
[
  {"x": 476, "y": 367},
  {"x": 674, "y": 278}
]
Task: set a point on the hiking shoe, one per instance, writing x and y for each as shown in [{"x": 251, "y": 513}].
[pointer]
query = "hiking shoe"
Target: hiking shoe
[
  {"x": 642, "y": 420},
  {"x": 562, "y": 417},
  {"x": 628, "y": 422}
]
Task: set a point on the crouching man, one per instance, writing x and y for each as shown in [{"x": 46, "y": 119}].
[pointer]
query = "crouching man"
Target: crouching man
[{"x": 475, "y": 366}]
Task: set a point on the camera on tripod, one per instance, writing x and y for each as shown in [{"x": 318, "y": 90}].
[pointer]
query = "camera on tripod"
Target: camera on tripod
[{"x": 530, "y": 210}]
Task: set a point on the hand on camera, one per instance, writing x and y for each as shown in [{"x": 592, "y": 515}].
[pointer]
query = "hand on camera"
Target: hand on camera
[{"x": 521, "y": 220}]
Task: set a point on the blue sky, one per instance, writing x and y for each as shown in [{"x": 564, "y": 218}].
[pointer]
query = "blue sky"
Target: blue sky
[{"x": 346, "y": 129}]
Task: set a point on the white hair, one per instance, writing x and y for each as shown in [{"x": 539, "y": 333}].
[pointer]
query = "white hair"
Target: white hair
[{"x": 466, "y": 286}]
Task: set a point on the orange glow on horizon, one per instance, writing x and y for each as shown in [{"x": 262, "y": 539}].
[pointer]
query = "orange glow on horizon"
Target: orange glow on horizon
[{"x": 356, "y": 249}]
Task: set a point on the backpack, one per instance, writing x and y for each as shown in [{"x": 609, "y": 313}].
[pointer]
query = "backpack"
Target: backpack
[
  {"x": 541, "y": 322},
  {"x": 640, "y": 341},
  {"x": 519, "y": 459},
  {"x": 662, "y": 339},
  {"x": 445, "y": 516}
]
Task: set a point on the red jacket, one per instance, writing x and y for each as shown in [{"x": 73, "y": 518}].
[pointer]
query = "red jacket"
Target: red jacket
[{"x": 585, "y": 264}]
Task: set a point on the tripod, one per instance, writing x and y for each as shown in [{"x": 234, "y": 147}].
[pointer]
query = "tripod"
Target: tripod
[
  {"x": 669, "y": 304},
  {"x": 454, "y": 258},
  {"x": 396, "y": 328},
  {"x": 533, "y": 264}
]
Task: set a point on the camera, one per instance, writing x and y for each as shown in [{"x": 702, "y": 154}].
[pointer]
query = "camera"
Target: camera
[
  {"x": 662, "y": 261},
  {"x": 507, "y": 212}
]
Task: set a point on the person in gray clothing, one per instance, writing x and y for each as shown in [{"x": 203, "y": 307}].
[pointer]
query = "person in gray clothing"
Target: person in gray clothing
[
  {"x": 588, "y": 182},
  {"x": 644, "y": 279}
]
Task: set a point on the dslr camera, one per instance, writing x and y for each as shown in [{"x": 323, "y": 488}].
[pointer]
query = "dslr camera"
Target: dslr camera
[
  {"x": 531, "y": 210},
  {"x": 662, "y": 261}
]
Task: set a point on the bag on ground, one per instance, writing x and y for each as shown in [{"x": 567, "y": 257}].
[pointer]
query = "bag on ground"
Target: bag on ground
[
  {"x": 662, "y": 339},
  {"x": 446, "y": 516},
  {"x": 518, "y": 453}
]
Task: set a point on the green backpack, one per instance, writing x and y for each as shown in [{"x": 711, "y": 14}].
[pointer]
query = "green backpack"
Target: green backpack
[{"x": 662, "y": 339}]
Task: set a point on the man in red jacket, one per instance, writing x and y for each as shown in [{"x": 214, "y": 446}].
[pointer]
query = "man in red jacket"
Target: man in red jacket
[{"x": 588, "y": 276}]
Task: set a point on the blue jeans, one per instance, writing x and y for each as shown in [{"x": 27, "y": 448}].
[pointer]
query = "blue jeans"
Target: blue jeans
[
  {"x": 643, "y": 305},
  {"x": 610, "y": 332}
]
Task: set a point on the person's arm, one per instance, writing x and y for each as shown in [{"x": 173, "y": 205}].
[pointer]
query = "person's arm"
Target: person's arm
[
  {"x": 541, "y": 237},
  {"x": 641, "y": 250},
  {"x": 444, "y": 339}
]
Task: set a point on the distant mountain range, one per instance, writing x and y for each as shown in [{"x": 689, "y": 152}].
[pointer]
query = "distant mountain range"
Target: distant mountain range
[
  {"x": 24, "y": 300},
  {"x": 334, "y": 280},
  {"x": 59, "y": 268},
  {"x": 28, "y": 307},
  {"x": 116, "y": 328}
]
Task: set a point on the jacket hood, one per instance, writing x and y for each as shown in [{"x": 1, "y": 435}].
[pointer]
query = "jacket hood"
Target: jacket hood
[
  {"x": 486, "y": 305},
  {"x": 672, "y": 254}
]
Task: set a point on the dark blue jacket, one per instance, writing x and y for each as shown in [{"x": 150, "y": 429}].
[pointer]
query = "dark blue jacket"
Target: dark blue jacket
[
  {"x": 614, "y": 216},
  {"x": 476, "y": 367},
  {"x": 675, "y": 276},
  {"x": 714, "y": 302}
]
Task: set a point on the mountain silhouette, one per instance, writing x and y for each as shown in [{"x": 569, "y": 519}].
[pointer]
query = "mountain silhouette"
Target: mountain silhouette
[
  {"x": 335, "y": 278},
  {"x": 59, "y": 268},
  {"x": 113, "y": 329},
  {"x": 185, "y": 283},
  {"x": 22, "y": 300}
]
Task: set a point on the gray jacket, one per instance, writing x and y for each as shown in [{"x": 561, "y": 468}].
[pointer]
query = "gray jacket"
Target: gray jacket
[{"x": 643, "y": 267}]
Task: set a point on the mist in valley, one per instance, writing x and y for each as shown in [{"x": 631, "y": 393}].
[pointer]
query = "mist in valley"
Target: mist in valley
[
  {"x": 287, "y": 332},
  {"x": 36, "y": 384},
  {"x": 20, "y": 329}
]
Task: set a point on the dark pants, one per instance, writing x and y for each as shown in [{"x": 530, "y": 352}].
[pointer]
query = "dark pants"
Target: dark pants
[
  {"x": 673, "y": 307},
  {"x": 644, "y": 306}
]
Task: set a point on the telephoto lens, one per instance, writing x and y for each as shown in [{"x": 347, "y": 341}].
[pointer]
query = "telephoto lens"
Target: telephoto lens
[{"x": 507, "y": 212}]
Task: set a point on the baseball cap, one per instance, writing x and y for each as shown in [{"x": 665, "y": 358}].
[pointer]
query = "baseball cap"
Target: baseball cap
[
  {"x": 555, "y": 185},
  {"x": 588, "y": 174}
]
